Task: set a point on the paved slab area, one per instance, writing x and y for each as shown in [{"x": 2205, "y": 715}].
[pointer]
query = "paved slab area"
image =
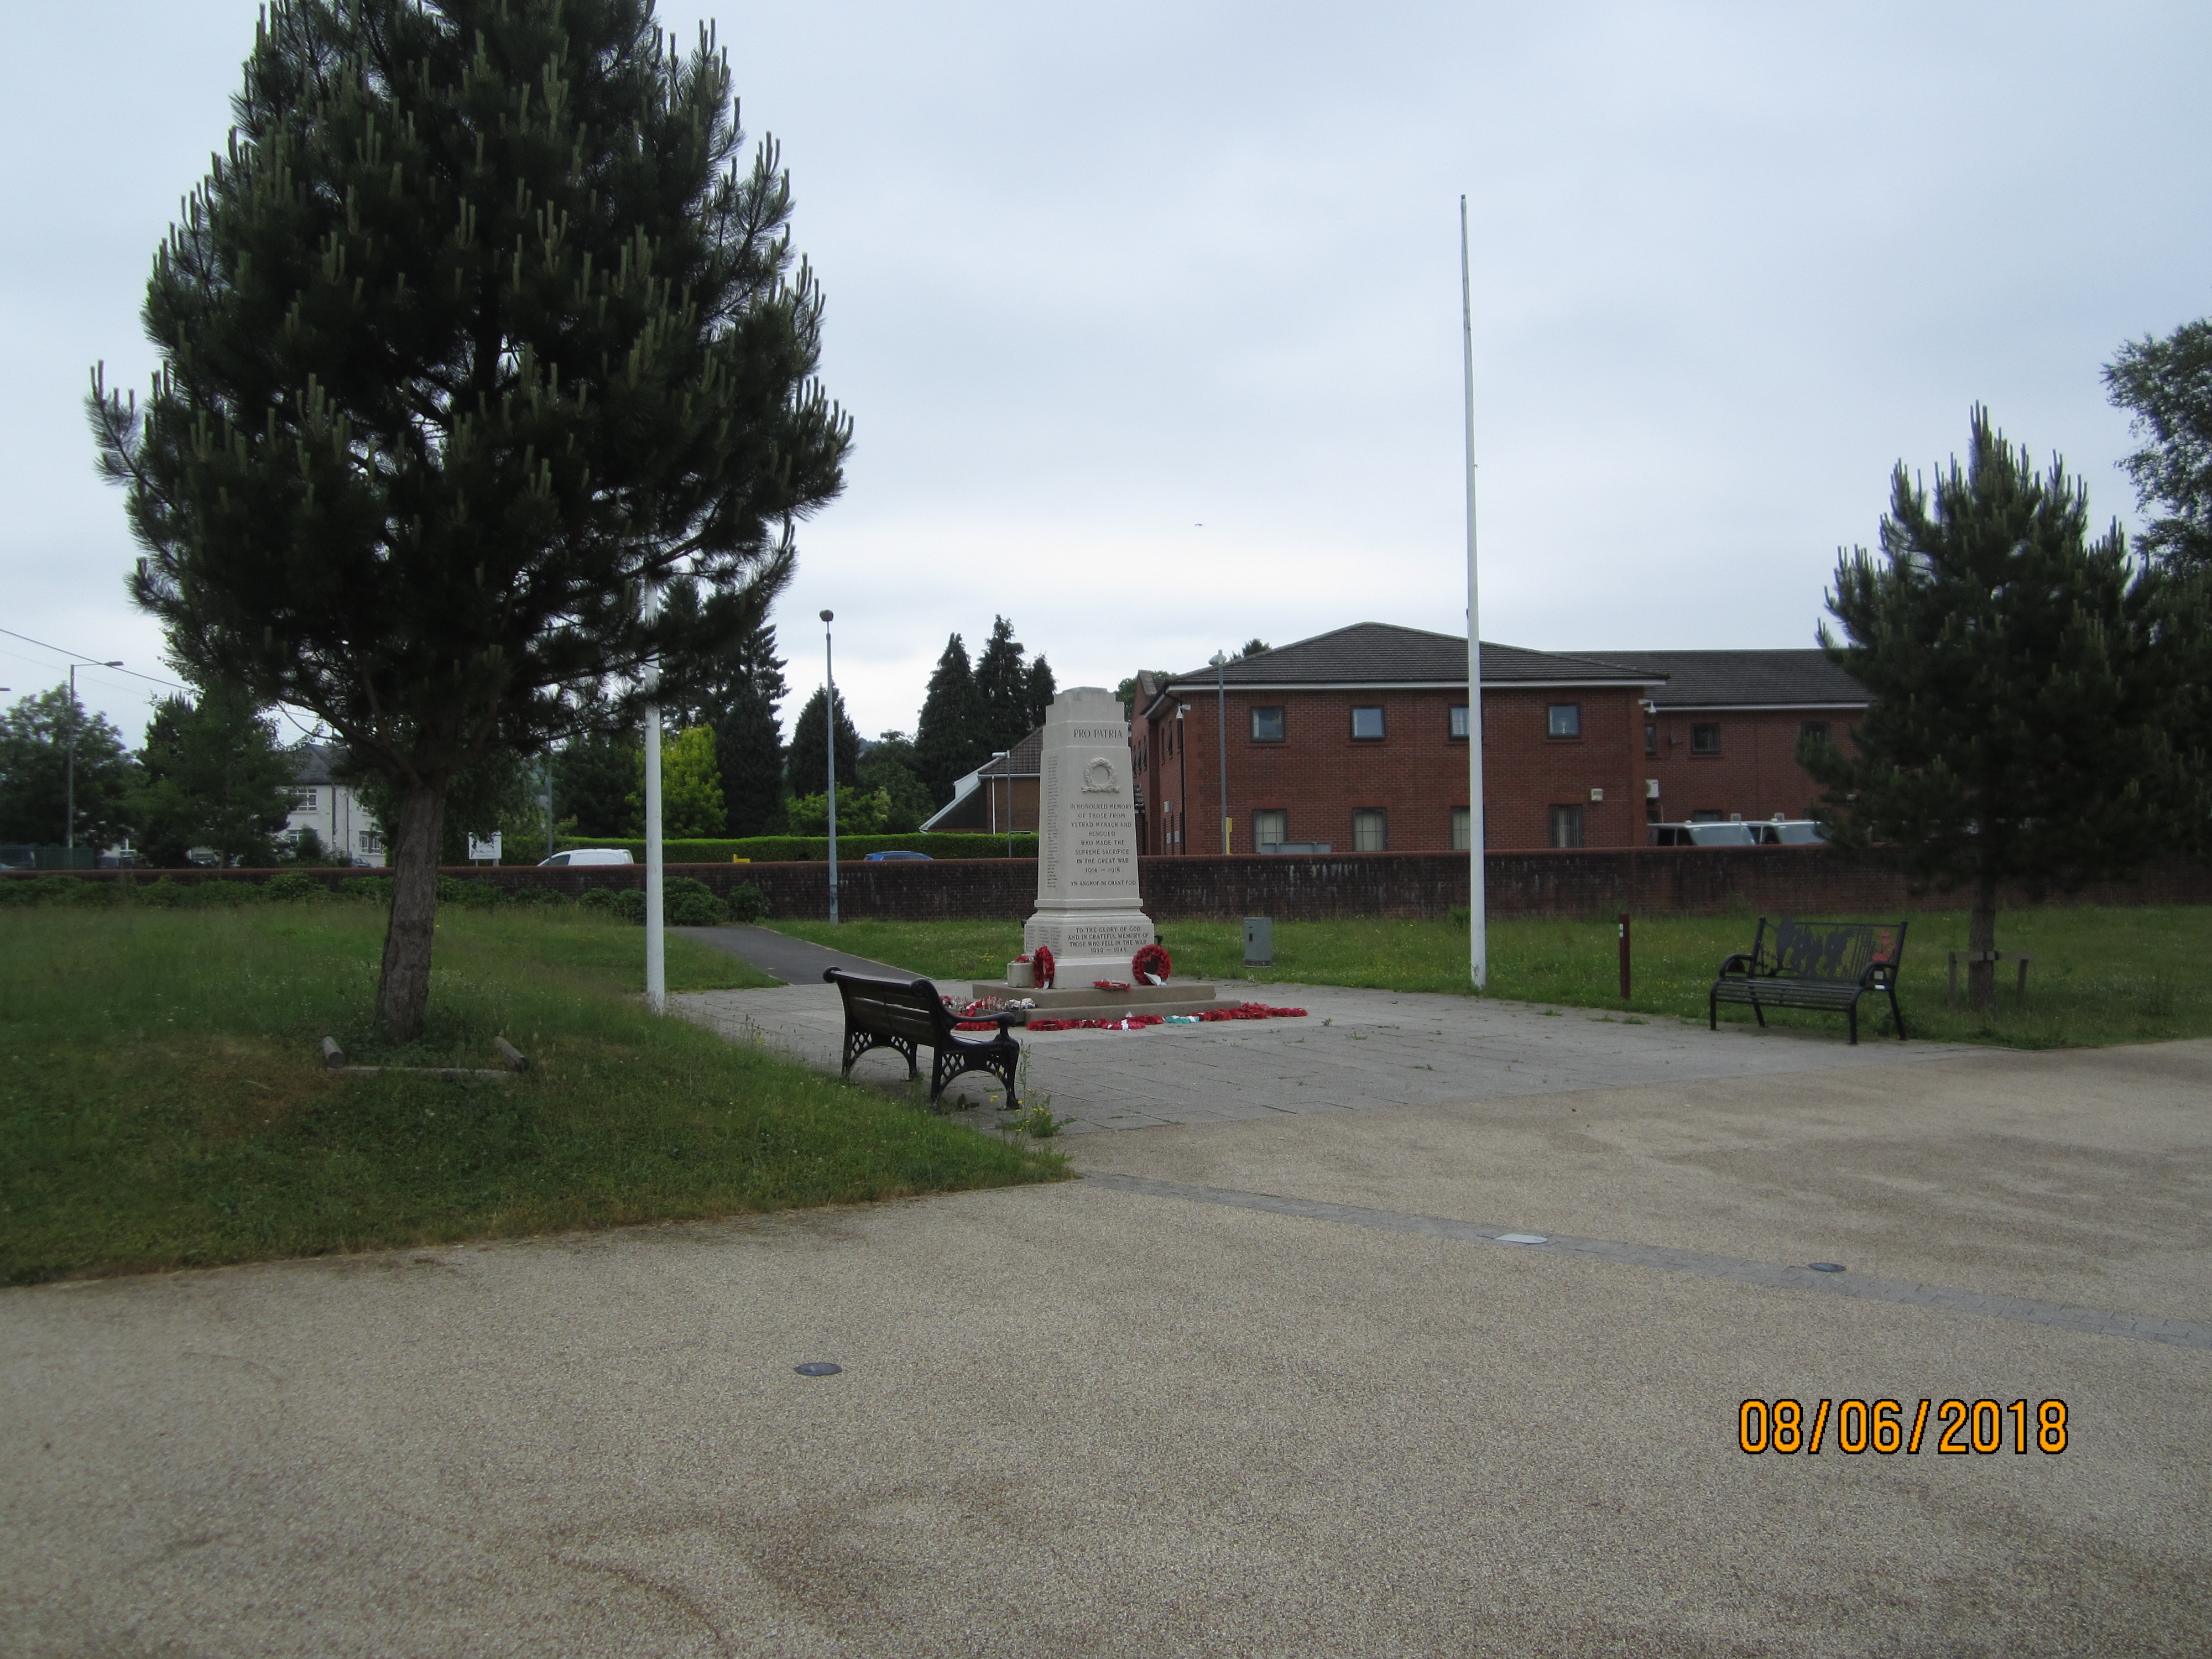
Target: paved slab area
[
  {"x": 1354, "y": 1051},
  {"x": 1126, "y": 1416}
]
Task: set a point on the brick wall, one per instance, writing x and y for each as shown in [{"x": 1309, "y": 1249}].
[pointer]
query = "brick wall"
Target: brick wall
[{"x": 1593, "y": 882}]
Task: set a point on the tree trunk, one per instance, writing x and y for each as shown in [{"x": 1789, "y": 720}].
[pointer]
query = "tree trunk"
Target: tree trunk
[
  {"x": 403, "y": 992},
  {"x": 1981, "y": 943}
]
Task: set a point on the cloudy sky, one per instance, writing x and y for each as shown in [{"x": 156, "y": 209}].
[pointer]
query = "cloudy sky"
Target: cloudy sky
[{"x": 1148, "y": 316}]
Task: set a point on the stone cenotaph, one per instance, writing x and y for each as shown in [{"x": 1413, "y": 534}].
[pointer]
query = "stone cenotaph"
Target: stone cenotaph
[{"x": 1089, "y": 913}]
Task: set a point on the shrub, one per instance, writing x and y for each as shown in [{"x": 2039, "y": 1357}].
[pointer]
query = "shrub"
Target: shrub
[
  {"x": 630, "y": 905},
  {"x": 292, "y": 888},
  {"x": 606, "y": 898},
  {"x": 469, "y": 895},
  {"x": 536, "y": 896},
  {"x": 163, "y": 894},
  {"x": 366, "y": 890},
  {"x": 36, "y": 889},
  {"x": 685, "y": 903},
  {"x": 746, "y": 902}
]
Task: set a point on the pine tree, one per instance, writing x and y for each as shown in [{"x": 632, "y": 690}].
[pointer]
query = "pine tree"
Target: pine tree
[
  {"x": 477, "y": 337},
  {"x": 1002, "y": 685},
  {"x": 810, "y": 759},
  {"x": 591, "y": 778},
  {"x": 1041, "y": 692},
  {"x": 213, "y": 774},
  {"x": 951, "y": 739},
  {"x": 36, "y": 737},
  {"x": 2014, "y": 733},
  {"x": 748, "y": 737}
]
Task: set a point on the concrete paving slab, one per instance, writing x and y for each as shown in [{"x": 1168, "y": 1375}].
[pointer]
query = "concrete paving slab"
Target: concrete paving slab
[
  {"x": 793, "y": 961},
  {"x": 1355, "y": 1050}
]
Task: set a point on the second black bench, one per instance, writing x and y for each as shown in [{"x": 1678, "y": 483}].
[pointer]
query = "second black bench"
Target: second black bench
[
  {"x": 908, "y": 1015},
  {"x": 1827, "y": 965}
]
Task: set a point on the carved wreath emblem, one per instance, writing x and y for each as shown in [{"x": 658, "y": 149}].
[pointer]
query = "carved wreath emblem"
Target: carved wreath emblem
[{"x": 1098, "y": 776}]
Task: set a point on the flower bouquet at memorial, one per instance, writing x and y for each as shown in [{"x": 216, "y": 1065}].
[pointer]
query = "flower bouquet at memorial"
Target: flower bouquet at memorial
[{"x": 1150, "y": 964}]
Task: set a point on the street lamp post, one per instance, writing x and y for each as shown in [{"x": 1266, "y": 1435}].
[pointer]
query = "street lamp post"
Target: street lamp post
[
  {"x": 830, "y": 738},
  {"x": 68, "y": 829},
  {"x": 1221, "y": 735},
  {"x": 1008, "y": 768}
]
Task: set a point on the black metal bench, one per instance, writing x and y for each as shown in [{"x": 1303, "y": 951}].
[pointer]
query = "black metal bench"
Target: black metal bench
[
  {"x": 1823, "y": 965},
  {"x": 908, "y": 1015}
]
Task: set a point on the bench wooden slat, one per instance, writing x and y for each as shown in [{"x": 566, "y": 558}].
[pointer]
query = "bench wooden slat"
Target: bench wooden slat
[{"x": 906, "y": 1015}]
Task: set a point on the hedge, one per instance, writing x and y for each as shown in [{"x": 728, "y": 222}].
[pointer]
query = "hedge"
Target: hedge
[{"x": 815, "y": 849}]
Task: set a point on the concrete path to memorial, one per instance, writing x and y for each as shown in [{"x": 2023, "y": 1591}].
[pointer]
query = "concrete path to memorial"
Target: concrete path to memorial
[
  {"x": 1353, "y": 1051},
  {"x": 1254, "y": 1387}
]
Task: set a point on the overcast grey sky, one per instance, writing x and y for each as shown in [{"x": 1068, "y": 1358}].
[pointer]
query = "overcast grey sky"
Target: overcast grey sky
[{"x": 1098, "y": 277}]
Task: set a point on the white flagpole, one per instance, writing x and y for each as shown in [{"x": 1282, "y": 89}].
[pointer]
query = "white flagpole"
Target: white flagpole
[{"x": 1477, "y": 917}]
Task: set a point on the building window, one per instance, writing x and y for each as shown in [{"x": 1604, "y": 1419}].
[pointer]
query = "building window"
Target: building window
[
  {"x": 1650, "y": 738},
  {"x": 1270, "y": 829},
  {"x": 1266, "y": 726},
  {"x": 1705, "y": 737},
  {"x": 1566, "y": 826},
  {"x": 1370, "y": 831},
  {"x": 303, "y": 800},
  {"x": 1564, "y": 719},
  {"x": 1459, "y": 721},
  {"x": 371, "y": 842},
  {"x": 1367, "y": 724},
  {"x": 1812, "y": 732},
  {"x": 1462, "y": 830}
]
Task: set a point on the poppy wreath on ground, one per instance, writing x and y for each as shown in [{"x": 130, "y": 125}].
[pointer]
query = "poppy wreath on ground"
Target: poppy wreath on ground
[
  {"x": 1151, "y": 965},
  {"x": 1041, "y": 967}
]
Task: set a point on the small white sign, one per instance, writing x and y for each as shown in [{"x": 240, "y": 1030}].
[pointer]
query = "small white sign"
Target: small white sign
[{"x": 484, "y": 851}]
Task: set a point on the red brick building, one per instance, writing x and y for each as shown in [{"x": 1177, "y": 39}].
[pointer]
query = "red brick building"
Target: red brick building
[
  {"x": 1356, "y": 741},
  {"x": 1721, "y": 740}
]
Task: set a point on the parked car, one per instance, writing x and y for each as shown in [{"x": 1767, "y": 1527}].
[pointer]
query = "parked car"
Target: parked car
[
  {"x": 589, "y": 855},
  {"x": 1703, "y": 834},
  {"x": 1789, "y": 832},
  {"x": 887, "y": 858}
]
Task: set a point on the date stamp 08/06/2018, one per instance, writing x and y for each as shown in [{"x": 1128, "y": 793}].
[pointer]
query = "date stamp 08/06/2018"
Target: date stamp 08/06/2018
[{"x": 1881, "y": 1426}]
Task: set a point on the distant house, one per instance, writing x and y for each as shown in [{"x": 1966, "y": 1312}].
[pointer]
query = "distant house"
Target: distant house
[
  {"x": 997, "y": 796},
  {"x": 331, "y": 809},
  {"x": 1720, "y": 740},
  {"x": 1356, "y": 741}
]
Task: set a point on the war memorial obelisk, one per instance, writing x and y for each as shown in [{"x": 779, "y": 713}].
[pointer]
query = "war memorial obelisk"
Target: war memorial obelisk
[{"x": 1089, "y": 913}]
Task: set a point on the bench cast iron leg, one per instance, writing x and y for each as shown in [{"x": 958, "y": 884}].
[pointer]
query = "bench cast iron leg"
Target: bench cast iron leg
[
  {"x": 1713, "y": 1010},
  {"x": 1851, "y": 1014},
  {"x": 1897, "y": 1014}
]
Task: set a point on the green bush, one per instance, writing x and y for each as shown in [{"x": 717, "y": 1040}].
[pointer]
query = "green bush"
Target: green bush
[
  {"x": 36, "y": 889},
  {"x": 630, "y": 905},
  {"x": 366, "y": 890},
  {"x": 293, "y": 889},
  {"x": 607, "y": 898},
  {"x": 473, "y": 895},
  {"x": 746, "y": 902},
  {"x": 803, "y": 849},
  {"x": 161, "y": 893}
]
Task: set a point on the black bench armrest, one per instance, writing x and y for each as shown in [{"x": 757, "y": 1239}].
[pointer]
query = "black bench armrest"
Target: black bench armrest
[{"x": 1738, "y": 964}]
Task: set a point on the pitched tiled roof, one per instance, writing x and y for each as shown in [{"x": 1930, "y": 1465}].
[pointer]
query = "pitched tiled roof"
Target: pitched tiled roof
[
  {"x": 1021, "y": 761},
  {"x": 1381, "y": 653},
  {"x": 311, "y": 762},
  {"x": 1740, "y": 679}
]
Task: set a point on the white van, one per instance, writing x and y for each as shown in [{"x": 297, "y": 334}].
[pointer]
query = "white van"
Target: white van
[
  {"x": 1703, "y": 835},
  {"x": 589, "y": 855}
]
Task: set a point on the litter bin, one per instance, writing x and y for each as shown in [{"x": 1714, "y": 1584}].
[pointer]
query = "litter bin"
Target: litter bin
[{"x": 1259, "y": 941}]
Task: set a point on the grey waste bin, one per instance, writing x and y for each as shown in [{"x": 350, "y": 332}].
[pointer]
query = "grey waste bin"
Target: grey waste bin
[{"x": 1259, "y": 941}]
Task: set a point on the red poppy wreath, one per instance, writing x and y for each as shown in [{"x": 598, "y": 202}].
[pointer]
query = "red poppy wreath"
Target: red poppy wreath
[
  {"x": 1040, "y": 968},
  {"x": 1151, "y": 965}
]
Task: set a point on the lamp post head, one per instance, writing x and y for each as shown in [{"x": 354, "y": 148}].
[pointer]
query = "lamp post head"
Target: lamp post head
[
  {"x": 1219, "y": 659},
  {"x": 828, "y": 615},
  {"x": 117, "y": 663}
]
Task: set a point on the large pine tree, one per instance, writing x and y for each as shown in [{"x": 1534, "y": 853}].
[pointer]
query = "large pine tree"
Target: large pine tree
[
  {"x": 214, "y": 774},
  {"x": 1002, "y": 685},
  {"x": 477, "y": 336},
  {"x": 2015, "y": 732},
  {"x": 810, "y": 753},
  {"x": 952, "y": 737}
]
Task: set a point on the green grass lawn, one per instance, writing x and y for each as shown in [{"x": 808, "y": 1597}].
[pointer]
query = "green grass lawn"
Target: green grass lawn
[
  {"x": 2100, "y": 976},
  {"x": 164, "y": 1104}
]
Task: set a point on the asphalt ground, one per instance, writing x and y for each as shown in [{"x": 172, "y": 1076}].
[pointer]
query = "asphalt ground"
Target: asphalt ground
[{"x": 1159, "y": 1417}]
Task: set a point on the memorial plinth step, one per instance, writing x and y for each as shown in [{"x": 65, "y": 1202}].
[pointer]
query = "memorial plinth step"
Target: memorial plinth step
[{"x": 1088, "y": 1002}]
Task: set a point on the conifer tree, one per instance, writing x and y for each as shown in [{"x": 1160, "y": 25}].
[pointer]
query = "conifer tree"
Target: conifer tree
[
  {"x": 591, "y": 777},
  {"x": 1041, "y": 692},
  {"x": 1003, "y": 687},
  {"x": 810, "y": 759},
  {"x": 2014, "y": 735},
  {"x": 477, "y": 335},
  {"x": 951, "y": 738},
  {"x": 213, "y": 774}
]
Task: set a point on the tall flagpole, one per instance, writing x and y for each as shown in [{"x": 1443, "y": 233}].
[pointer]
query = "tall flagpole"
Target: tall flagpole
[{"x": 1477, "y": 917}]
